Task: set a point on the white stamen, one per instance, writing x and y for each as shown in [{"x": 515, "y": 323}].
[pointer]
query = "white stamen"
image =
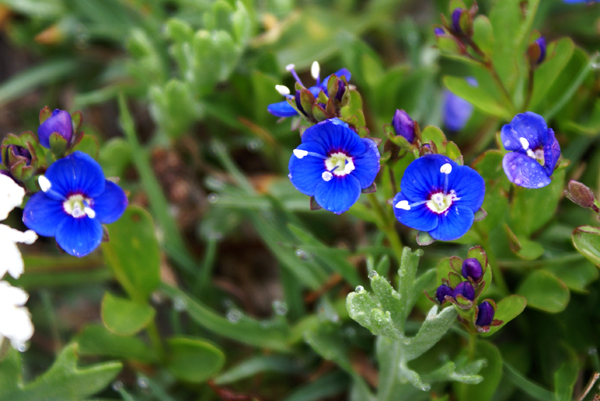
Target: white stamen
[
  {"x": 299, "y": 153},
  {"x": 530, "y": 153},
  {"x": 403, "y": 205},
  {"x": 282, "y": 89},
  {"x": 45, "y": 183},
  {"x": 90, "y": 212},
  {"x": 290, "y": 67},
  {"x": 327, "y": 176},
  {"x": 524, "y": 143},
  {"x": 349, "y": 166},
  {"x": 315, "y": 70},
  {"x": 446, "y": 168}
]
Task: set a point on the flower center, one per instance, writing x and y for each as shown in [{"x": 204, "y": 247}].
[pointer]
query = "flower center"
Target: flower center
[
  {"x": 537, "y": 154},
  {"x": 339, "y": 164},
  {"x": 439, "y": 202},
  {"x": 78, "y": 206}
]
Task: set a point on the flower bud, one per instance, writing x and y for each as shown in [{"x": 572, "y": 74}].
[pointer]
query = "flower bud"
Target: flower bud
[
  {"x": 536, "y": 52},
  {"x": 472, "y": 268},
  {"x": 19, "y": 153},
  {"x": 442, "y": 291},
  {"x": 462, "y": 21},
  {"x": 59, "y": 122},
  {"x": 466, "y": 290},
  {"x": 485, "y": 314},
  {"x": 456, "y": 19},
  {"x": 581, "y": 195},
  {"x": 404, "y": 125},
  {"x": 439, "y": 31}
]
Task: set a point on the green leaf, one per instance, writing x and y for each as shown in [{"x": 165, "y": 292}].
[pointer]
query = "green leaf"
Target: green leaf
[
  {"x": 506, "y": 310},
  {"x": 576, "y": 276},
  {"x": 125, "y": 317},
  {"x": 432, "y": 330},
  {"x": 193, "y": 360},
  {"x": 115, "y": 156},
  {"x": 449, "y": 372},
  {"x": 259, "y": 364},
  {"x": 58, "y": 145},
  {"x": 491, "y": 373},
  {"x": 586, "y": 240},
  {"x": 63, "y": 381},
  {"x": 366, "y": 312},
  {"x": 483, "y": 34},
  {"x": 133, "y": 253},
  {"x": 435, "y": 135},
  {"x": 477, "y": 96},
  {"x": 96, "y": 340},
  {"x": 564, "y": 380},
  {"x": 87, "y": 145},
  {"x": 244, "y": 330},
  {"x": 523, "y": 247},
  {"x": 545, "y": 292}
]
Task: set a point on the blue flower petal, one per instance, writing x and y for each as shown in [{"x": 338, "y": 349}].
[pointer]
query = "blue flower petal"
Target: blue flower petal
[
  {"x": 367, "y": 165},
  {"x": 339, "y": 73},
  {"x": 79, "y": 237},
  {"x": 282, "y": 109},
  {"x": 76, "y": 173},
  {"x": 111, "y": 204},
  {"x": 524, "y": 171},
  {"x": 335, "y": 137},
  {"x": 453, "y": 224},
  {"x": 305, "y": 173},
  {"x": 418, "y": 217},
  {"x": 422, "y": 177},
  {"x": 60, "y": 122},
  {"x": 468, "y": 185},
  {"x": 456, "y": 111},
  {"x": 529, "y": 126},
  {"x": 338, "y": 194},
  {"x": 551, "y": 153},
  {"x": 43, "y": 214}
]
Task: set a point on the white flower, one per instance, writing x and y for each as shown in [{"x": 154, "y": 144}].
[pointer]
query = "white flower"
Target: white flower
[
  {"x": 12, "y": 262},
  {"x": 15, "y": 321},
  {"x": 11, "y": 195}
]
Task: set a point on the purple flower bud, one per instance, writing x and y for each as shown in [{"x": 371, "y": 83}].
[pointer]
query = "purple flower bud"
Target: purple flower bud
[
  {"x": 485, "y": 316},
  {"x": 580, "y": 194},
  {"x": 20, "y": 151},
  {"x": 456, "y": 20},
  {"x": 341, "y": 90},
  {"x": 299, "y": 103},
  {"x": 442, "y": 291},
  {"x": 541, "y": 42},
  {"x": 466, "y": 290},
  {"x": 404, "y": 125},
  {"x": 472, "y": 268},
  {"x": 60, "y": 122},
  {"x": 439, "y": 31}
]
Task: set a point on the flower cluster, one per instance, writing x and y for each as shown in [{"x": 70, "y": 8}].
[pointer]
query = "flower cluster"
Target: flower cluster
[
  {"x": 465, "y": 282},
  {"x": 15, "y": 321},
  {"x": 533, "y": 151}
]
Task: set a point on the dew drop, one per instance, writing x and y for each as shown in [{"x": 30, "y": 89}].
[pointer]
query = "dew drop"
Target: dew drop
[
  {"x": 117, "y": 385},
  {"x": 179, "y": 304},
  {"x": 373, "y": 274},
  {"x": 253, "y": 145},
  {"x": 142, "y": 382},
  {"x": 280, "y": 308},
  {"x": 212, "y": 197},
  {"x": 592, "y": 351},
  {"x": 334, "y": 318},
  {"x": 360, "y": 288},
  {"x": 234, "y": 315},
  {"x": 22, "y": 348}
]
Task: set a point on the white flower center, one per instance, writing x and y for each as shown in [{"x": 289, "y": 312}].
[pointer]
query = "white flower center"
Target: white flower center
[
  {"x": 77, "y": 206},
  {"x": 339, "y": 164},
  {"x": 439, "y": 202}
]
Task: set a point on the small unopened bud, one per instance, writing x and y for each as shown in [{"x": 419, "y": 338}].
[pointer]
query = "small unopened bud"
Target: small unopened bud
[
  {"x": 456, "y": 19},
  {"x": 442, "y": 291},
  {"x": 466, "y": 290},
  {"x": 19, "y": 153},
  {"x": 462, "y": 22},
  {"x": 580, "y": 194},
  {"x": 439, "y": 31},
  {"x": 59, "y": 122},
  {"x": 404, "y": 125},
  {"x": 472, "y": 268},
  {"x": 485, "y": 314},
  {"x": 536, "y": 52}
]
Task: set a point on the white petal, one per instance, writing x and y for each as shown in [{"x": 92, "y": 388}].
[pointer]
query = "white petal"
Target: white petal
[
  {"x": 11, "y": 196},
  {"x": 315, "y": 70}
]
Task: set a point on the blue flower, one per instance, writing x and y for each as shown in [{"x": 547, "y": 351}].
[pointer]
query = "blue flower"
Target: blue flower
[
  {"x": 74, "y": 202},
  {"x": 334, "y": 164},
  {"x": 534, "y": 151},
  {"x": 283, "y": 109},
  {"x": 439, "y": 196},
  {"x": 404, "y": 126},
  {"x": 456, "y": 110},
  {"x": 485, "y": 314},
  {"x": 59, "y": 122}
]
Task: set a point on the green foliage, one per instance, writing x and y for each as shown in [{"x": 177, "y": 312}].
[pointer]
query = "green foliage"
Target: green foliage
[{"x": 193, "y": 360}]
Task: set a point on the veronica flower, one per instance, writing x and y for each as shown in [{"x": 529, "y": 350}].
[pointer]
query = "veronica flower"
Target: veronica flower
[
  {"x": 439, "y": 196},
  {"x": 59, "y": 122},
  {"x": 534, "y": 151},
  {"x": 74, "y": 202},
  {"x": 15, "y": 321},
  {"x": 457, "y": 111},
  {"x": 11, "y": 196},
  {"x": 284, "y": 109},
  {"x": 334, "y": 164}
]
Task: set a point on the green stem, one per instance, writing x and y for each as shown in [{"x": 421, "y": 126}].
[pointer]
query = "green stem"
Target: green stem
[
  {"x": 498, "y": 278},
  {"x": 154, "y": 336},
  {"x": 472, "y": 345},
  {"x": 386, "y": 224},
  {"x": 529, "y": 88}
]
